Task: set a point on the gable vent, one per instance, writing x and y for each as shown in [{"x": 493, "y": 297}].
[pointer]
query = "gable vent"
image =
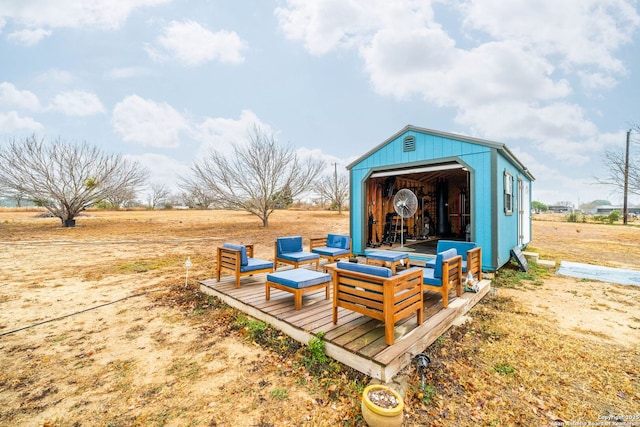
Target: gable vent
[{"x": 409, "y": 143}]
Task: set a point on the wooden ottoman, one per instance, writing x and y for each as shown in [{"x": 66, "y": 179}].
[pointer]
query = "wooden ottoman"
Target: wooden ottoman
[{"x": 297, "y": 281}]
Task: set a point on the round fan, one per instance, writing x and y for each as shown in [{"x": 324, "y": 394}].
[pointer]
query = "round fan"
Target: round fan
[{"x": 405, "y": 203}]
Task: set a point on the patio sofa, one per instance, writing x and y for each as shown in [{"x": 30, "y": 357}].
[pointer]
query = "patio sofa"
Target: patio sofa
[
  {"x": 470, "y": 252},
  {"x": 288, "y": 250},
  {"x": 375, "y": 292},
  {"x": 332, "y": 247},
  {"x": 445, "y": 275},
  {"x": 239, "y": 261}
]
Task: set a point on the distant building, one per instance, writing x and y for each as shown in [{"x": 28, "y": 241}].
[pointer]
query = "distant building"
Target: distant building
[
  {"x": 607, "y": 209},
  {"x": 560, "y": 209}
]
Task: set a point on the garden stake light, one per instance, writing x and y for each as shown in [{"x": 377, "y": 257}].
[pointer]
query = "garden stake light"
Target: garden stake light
[
  {"x": 187, "y": 264},
  {"x": 422, "y": 361}
]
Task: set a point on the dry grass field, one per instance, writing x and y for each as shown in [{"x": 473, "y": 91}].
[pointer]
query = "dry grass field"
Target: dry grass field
[{"x": 99, "y": 328}]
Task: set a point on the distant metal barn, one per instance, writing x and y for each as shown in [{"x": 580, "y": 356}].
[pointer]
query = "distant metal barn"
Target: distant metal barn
[{"x": 467, "y": 189}]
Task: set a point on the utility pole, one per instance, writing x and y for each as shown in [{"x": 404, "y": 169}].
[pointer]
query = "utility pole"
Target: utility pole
[{"x": 625, "y": 207}]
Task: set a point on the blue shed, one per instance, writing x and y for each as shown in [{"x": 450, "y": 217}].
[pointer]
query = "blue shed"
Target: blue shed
[{"x": 466, "y": 189}]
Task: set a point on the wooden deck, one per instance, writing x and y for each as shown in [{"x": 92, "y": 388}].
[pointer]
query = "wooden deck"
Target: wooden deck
[{"x": 356, "y": 340}]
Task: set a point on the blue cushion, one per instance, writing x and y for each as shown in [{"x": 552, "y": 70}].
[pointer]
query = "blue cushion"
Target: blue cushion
[
  {"x": 330, "y": 251},
  {"x": 298, "y": 256},
  {"x": 289, "y": 244},
  {"x": 429, "y": 279},
  {"x": 256, "y": 264},
  {"x": 430, "y": 263},
  {"x": 339, "y": 241},
  {"x": 443, "y": 256},
  {"x": 460, "y": 246},
  {"x": 298, "y": 278},
  {"x": 390, "y": 256},
  {"x": 243, "y": 252},
  {"x": 374, "y": 270}
]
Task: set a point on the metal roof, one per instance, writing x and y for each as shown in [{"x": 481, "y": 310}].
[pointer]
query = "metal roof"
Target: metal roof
[{"x": 491, "y": 144}]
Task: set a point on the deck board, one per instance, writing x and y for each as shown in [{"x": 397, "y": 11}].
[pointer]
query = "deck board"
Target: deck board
[{"x": 356, "y": 340}]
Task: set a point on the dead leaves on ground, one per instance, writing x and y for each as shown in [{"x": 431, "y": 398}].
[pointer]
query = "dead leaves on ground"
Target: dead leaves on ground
[{"x": 508, "y": 368}]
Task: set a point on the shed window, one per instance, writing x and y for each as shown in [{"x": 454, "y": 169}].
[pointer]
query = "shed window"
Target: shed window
[
  {"x": 409, "y": 143},
  {"x": 508, "y": 193}
]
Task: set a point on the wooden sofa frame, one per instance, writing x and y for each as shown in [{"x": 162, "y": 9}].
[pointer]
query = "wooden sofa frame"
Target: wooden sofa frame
[
  {"x": 386, "y": 299},
  {"x": 321, "y": 242},
  {"x": 278, "y": 259},
  {"x": 471, "y": 258},
  {"x": 474, "y": 262},
  {"x": 451, "y": 278},
  {"x": 230, "y": 260}
]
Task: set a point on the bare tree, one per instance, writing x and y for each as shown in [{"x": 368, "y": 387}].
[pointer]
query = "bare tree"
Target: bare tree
[
  {"x": 615, "y": 162},
  {"x": 257, "y": 176},
  {"x": 65, "y": 178},
  {"x": 121, "y": 198},
  {"x": 194, "y": 193},
  {"x": 335, "y": 189},
  {"x": 158, "y": 194}
]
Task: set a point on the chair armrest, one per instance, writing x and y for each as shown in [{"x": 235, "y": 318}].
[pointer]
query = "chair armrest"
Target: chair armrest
[{"x": 249, "y": 250}]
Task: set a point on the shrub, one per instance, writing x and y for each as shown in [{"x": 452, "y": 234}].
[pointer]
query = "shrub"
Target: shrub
[
  {"x": 573, "y": 217},
  {"x": 614, "y": 216}
]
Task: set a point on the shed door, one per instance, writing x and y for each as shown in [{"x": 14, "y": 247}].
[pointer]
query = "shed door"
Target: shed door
[{"x": 524, "y": 213}]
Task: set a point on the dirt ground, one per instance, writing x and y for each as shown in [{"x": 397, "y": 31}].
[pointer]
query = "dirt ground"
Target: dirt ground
[{"x": 87, "y": 336}]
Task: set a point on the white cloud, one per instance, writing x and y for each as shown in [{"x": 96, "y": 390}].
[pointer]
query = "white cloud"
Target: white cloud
[
  {"x": 77, "y": 103},
  {"x": 148, "y": 123},
  {"x": 29, "y": 37},
  {"x": 11, "y": 97},
  {"x": 221, "y": 134},
  {"x": 326, "y": 25},
  {"x": 11, "y": 122},
  {"x": 191, "y": 44},
  {"x": 595, "y": 82},
  {"x": 47, "y": 14},
  {"x": 532, "y": 121},
  {"x": 582, "y": 32},
  {"x": 509, "y": 79}
]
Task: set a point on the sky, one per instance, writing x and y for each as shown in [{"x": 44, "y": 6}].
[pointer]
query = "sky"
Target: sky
[{"x": 164, "y": 81}]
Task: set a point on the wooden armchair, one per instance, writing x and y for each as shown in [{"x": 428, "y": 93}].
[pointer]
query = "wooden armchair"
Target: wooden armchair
[
  {"x": 474, "y": 263},
  {"x": 446, "y": 275},
  {"x": 332, "y": 247},
  {"x": 239, "y": 261},
  {"x": 470, "y": 252},
  {"x": 288, "y": 250},
  {"x": 374, "y": 292}
]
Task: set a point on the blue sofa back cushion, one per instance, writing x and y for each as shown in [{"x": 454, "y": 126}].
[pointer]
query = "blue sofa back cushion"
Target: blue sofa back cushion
[
  {"x": 243, "y": 252},
  {"x": 289, "y": 244},
  {"x": 443, "y": 256},
  {"x": 374, "y": 270},
  {"x": 458, "y": 245},
  {"x": 339, "y": 241}
]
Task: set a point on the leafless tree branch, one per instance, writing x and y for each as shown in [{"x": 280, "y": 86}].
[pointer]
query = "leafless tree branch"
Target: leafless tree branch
[
  {"x": 64, "y": 178},
  {"x": 257, "y": 176}
]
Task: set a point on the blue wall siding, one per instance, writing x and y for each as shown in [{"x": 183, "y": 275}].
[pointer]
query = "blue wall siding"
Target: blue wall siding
[
  {"x": 429, "y": 149},
  {"x": 481, "y": 206},
  {"x": 507, "y": 230}
]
